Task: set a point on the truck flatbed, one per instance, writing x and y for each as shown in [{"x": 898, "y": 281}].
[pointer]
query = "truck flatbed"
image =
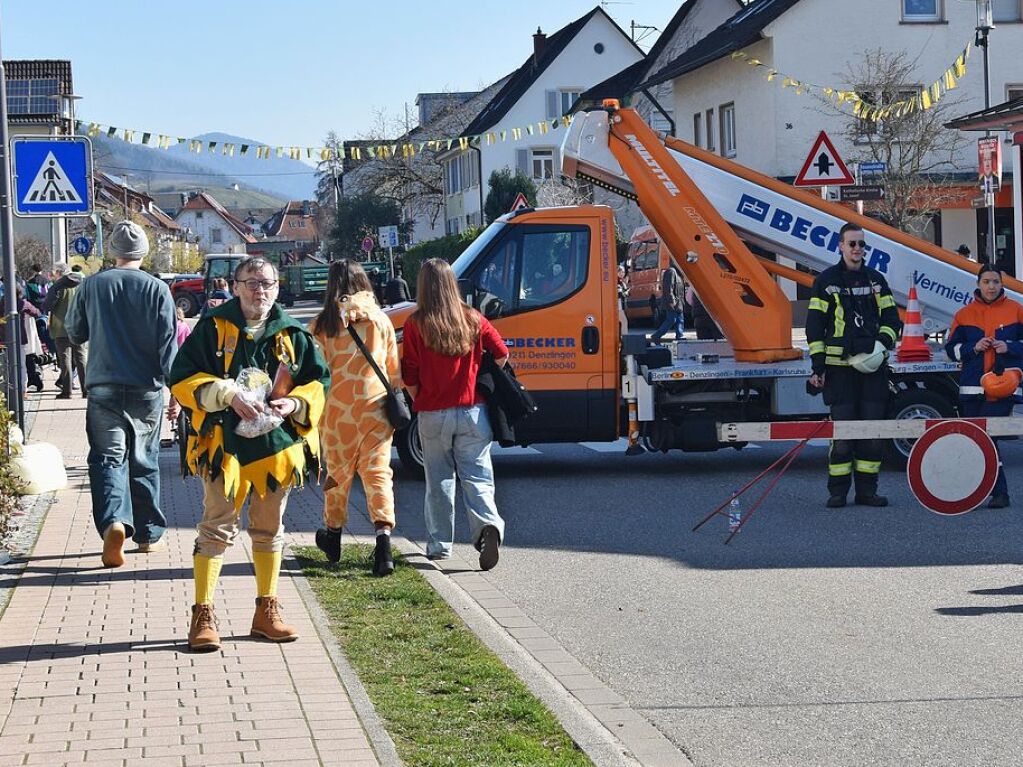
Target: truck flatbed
[{"x": 686, "y": 365}]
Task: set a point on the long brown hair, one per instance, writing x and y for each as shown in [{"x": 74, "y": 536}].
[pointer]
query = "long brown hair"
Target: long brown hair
[
  {"x": 344, "y": 279},
  {"x": 448, "y": 326}
]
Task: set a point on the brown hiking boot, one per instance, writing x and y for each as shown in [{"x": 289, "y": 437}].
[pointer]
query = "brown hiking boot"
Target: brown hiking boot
[
  {"x": 267, "y": 621},
  {"x": 113, "y": 545},
  {"x": 202, "y": 634}
]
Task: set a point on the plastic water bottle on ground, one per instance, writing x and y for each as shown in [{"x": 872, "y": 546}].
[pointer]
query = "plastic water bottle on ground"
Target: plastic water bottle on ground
[{"x": 734, "y": 513}]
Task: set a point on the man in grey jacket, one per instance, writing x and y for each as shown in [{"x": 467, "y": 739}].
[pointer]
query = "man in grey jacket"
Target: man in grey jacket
[
  {"x": 70, "y": 356},
  {"x": 127, "y": 316}
]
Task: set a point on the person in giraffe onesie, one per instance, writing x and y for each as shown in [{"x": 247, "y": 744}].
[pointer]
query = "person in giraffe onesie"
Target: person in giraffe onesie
[
  {"x": 249, "y": 331},
  {"x": 356, "y": 433}
]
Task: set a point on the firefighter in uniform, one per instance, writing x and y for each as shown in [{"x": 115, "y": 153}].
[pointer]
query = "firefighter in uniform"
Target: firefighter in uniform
[{"x": 851, "y": 325}]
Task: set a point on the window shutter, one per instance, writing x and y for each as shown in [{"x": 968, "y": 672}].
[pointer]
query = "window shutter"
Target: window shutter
[
  {"x": 556, "y": 169},
  {"x": 522, "y": 162},
  {"x": 553, "y": 107}
]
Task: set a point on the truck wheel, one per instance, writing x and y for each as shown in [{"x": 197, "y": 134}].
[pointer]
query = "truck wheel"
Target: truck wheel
[
  {"x": 915, "y": 403},
  {"x": 410, "y": 449},
  {"x": 187, "y": 303}
]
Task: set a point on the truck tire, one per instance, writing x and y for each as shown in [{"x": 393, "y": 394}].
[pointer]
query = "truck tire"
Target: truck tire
[
  {"x": 410, "y": 449},
  {"x": 188, "y": 303},
  {"x": 915, "y": 403}
]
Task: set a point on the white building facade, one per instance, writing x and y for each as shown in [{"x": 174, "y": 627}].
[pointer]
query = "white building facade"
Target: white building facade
[
  {"x": 563, "y": 65},
  {"x": 730, "y": 107}
]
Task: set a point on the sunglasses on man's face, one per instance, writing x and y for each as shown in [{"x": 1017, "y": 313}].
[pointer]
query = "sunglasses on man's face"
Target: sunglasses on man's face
[{"x": 857, "y": 243}]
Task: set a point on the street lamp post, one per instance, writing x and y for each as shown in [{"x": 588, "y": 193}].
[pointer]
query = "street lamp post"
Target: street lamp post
[{"x": 985, "y": 23}]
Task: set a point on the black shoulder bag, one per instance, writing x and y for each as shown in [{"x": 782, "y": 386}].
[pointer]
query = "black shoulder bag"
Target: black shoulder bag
[{"x": 395, "y": 404}]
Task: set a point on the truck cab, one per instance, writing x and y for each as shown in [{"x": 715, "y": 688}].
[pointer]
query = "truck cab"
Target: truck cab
[{"x": 546, "y": 280}]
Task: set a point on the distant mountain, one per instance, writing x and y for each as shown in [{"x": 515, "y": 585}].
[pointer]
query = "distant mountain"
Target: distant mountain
[
  {"x": 282, "y": 177},
  {"x": 176, "y": 169}
]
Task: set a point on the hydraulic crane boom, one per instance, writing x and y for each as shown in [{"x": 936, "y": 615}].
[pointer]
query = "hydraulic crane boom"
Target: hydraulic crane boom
[{"x": 610, "y": 147}]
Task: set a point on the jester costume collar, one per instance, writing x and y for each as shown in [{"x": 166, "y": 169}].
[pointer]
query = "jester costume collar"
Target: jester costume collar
[{"x": 218, "y": 348}]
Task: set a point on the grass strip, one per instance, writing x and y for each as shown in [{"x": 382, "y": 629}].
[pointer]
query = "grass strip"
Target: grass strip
[{"x": 444, "y": 697}]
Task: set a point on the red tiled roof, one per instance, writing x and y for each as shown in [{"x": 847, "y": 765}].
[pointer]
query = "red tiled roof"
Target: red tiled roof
[{"x": 203, "y": 201}]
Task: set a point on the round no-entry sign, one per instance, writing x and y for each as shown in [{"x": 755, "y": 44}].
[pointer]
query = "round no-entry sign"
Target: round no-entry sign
[{"x": 952, "y": 467}]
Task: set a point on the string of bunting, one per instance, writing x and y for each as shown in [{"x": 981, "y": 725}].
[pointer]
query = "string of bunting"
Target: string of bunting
[
  {"x": 405, "y": 150},
  {"x": 862, "y": 108}
]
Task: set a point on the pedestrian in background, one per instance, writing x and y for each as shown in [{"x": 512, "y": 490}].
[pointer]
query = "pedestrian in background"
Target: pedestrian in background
[
  {"x": 671, "y": 305},
  {"x": 356, "y": 432},
  {"x": 396, "y": 291},
  {"x": 851, "y": 325},
  {"x": 70, "y": 356},
  {"x": 258, "y": 465},
  {"x": 444, "y": 341},
  {"x": 964, "y": 251},
  {"x": 31, "y": 348},
  {"x": 987, "y": 339},
  {"x": 127, "y": 316}
]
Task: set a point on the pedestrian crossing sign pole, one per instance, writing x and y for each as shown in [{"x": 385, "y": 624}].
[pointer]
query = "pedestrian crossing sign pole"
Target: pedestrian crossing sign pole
[{"x": 52, "y": 175}]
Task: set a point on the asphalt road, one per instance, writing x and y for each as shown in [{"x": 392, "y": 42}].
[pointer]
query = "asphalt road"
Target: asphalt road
[
  {"x": 818, "y": 637},
  {"x": 856, "y": 636}
]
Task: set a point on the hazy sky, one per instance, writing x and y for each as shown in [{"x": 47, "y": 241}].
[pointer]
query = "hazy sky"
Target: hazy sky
[{"x": 283, "y": 72}]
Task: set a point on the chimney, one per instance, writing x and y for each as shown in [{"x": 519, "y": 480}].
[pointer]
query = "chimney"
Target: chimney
[{"x": 539, "y": 44}]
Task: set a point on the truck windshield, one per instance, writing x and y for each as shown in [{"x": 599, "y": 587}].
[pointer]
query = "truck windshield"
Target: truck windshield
[{"x": 464, "y": 261}]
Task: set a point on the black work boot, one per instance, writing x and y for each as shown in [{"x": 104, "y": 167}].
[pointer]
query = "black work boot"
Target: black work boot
[
  {"x": 871, "y": 500},
  {"x": 998, "y": 501},
  {"x": 836, "y": 502},
  {"x": 383, "y": 562},
  {"x": 329, "y": 542}
]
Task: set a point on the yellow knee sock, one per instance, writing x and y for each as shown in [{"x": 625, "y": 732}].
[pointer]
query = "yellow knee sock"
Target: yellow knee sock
[
  {"x": 207, "y": 571},
  {"x": 268, "y": 567}
]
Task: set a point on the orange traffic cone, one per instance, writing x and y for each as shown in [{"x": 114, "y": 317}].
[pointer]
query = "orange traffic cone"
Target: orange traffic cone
[{"x": 914, "y": 347}]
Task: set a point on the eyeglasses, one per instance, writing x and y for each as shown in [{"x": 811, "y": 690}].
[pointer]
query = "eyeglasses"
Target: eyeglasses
[
  {"x": 857, "y": 243},
  {"x": 252, "y": 285}
]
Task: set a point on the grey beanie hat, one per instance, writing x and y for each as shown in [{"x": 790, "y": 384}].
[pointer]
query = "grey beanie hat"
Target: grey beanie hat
[{"x": 128, "y": 241}]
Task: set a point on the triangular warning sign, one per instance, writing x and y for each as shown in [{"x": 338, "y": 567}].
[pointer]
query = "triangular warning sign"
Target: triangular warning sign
[
  {"x": 823, "y": 166},
  {"x": 51, "y": 185},
  {"x": 520, "y": 203}
]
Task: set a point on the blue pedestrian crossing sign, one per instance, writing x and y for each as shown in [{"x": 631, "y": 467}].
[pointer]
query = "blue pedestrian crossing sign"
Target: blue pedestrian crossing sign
[{"x": 51, "y": 175}]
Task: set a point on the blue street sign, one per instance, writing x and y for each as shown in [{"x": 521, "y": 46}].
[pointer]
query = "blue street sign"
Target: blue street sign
[
  {"x": 873, "y": 167},
  {"x": 82, "y": 246},
  {"x": 52, "y": 175}
]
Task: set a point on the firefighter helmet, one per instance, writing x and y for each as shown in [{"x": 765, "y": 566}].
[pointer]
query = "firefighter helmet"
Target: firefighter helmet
[{"x": 870, "y": 362}]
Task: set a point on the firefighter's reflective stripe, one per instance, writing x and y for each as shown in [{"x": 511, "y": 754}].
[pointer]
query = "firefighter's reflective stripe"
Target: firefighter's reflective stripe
[
  {"x": 835, "y": 351},
  {"x": 885, "y": 330},
  {"x": 840, "y": 469},
  {"x": 883, "y": 302},
  {"x": 816, "y": 347},
  {"x": 839, "y": 318},
  {"x": 868, "y": 467},
  {"x": 818, "y": 304},
  {"x": 836, "y": 361}
]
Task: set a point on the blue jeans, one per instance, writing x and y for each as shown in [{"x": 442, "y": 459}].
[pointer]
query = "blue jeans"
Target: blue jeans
[
  {"x": 457, "y": 440},
  {"x": 671, "y": 318},
  {"x": 123, "y": 426},
  {"x": 981, "y": 408}
]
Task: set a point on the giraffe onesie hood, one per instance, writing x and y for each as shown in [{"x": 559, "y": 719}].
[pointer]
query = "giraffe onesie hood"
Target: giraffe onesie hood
[{"x": 355, "y": 433}]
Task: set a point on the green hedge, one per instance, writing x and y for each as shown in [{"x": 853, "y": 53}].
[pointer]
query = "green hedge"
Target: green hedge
[{"x": 449, "y": 248}]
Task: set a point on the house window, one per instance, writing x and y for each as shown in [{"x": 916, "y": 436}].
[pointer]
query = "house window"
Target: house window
[
  {"x": 1006, "y": 10},
  {"x": 198, "y": 214},
  {"x": 568, "y": 98},
  {"x": 542, "y": 164},
  {"x": 216, "y": 235},
  {"x": 728, "y": 130},
  {"x": 451, "y": 226},
  {"x": 697, "y": 129},
  {"x": 468, "y": 171},
  {"x": 32, "y": 97},
  {"x": 710, "y": 131},
  {"x": 452, "y": 176},
  {"x": 1013, "y": 92},
  {"x": 921, "y": 10}
]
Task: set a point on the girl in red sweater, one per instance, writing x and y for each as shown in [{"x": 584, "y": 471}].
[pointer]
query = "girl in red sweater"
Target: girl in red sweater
[{"x": 444, "y": 341}]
